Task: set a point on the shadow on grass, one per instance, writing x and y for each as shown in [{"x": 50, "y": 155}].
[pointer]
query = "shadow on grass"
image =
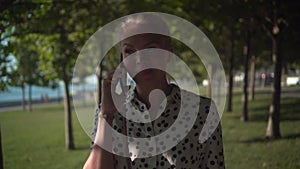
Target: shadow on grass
[
  {"x": 81, "y": 148},
  {"x": 289, "y": 110},
  {"x": 266, "y": 140}
]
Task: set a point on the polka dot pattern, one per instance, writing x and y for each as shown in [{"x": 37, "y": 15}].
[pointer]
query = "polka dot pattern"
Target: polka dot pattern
[{"x": 190, "y": 152}]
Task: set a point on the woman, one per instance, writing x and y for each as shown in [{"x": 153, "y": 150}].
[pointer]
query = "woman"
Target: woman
[{"x": 189, "y": 152}]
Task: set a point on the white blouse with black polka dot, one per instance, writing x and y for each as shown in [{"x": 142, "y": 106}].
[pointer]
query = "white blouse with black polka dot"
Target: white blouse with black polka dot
[{"x": 189, "y": 153}]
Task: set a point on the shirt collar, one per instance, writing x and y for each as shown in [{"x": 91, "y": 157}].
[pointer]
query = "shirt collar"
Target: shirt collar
[{"x": 132, "y": 98}]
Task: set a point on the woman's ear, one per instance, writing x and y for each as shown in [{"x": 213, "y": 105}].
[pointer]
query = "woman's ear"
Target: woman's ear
[
  {"x": 171, "y": 49},
  {"x": 170, "y": 54}
]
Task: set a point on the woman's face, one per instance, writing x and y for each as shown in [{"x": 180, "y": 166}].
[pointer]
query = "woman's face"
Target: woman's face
[{"x": 141, "y": 50}]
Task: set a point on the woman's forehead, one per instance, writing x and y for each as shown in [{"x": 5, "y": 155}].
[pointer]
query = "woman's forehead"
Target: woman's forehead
[
  {"x": 144, "y": 27},
  {"x": 142, "y": 39},
  {"x": 144, "y": 32}
]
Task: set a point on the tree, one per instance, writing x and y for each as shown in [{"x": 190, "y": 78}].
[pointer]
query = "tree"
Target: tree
[
  {"x": 227, "y": 40},
  {"x": 246, "y": 54},
  {"x": 27, "y": 69},
  {"x": 230, "y": 25},
  {"x": 18, "y": 80},
  {"x": 5, "y": 67},
  {"x": 248, "y": 29},
  {"x": 6, "y": 32},
  {"x": 273, "y": 19},
  {"x": 252, "y": 77},
  {"x": 259, "y": 47},
  {"x": 13, "y": 14},
  {"x": 66, "y": 31},
  {"x": 59, "y": 61}
]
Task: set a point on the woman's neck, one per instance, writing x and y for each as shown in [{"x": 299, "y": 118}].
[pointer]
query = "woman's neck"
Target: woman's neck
[{"x": 143, "y": 90}]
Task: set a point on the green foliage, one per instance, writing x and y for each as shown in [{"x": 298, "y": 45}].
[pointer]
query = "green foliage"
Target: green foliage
[
  {"x": 28, "y": 69},
  {"x": 5, "y": 34},
  {"x": 66, "y": 25},
  {"x": 191, "y": 60},
  {"x": 12, "y": 18},
  {"x": 5, "y": 67}
]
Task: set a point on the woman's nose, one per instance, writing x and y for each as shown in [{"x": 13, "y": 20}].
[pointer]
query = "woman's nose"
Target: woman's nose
[{"x": 138, "y": 59}]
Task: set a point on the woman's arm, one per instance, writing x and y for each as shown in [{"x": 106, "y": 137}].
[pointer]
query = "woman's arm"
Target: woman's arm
[{"x": 100, "y": 158}]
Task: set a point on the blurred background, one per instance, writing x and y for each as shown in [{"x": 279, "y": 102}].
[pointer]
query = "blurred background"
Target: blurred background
[{"x": 257, "y": 41}]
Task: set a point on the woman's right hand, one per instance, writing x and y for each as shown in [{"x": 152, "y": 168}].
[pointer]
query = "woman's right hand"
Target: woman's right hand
[
  {"x": 108, "y": 105},
  {"x": 99, "y": 157}
]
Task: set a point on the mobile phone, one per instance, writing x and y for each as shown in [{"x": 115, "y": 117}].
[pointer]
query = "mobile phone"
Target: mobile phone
[
  {"x": 125, "y": 88},
  {"x": 122, "y": 86},
  {"x": 126, "y": 81},
  {"x": 123, "y": 80}
]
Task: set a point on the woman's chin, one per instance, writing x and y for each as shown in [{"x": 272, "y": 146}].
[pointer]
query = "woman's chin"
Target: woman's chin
[{"x": 145, "y": 76}]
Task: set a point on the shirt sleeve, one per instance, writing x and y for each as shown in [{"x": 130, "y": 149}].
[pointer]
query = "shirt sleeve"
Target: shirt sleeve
[
  {"x": 214, "y": 150},
  {"x": 119, "y": 162},
  {"x": 95, "y": 126},
  {"x": 214, "y": 153}
]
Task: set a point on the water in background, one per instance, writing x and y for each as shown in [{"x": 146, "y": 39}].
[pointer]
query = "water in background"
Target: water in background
[
  {"x": 15, "y": 93},
  {"x": 13, "y": 96}
]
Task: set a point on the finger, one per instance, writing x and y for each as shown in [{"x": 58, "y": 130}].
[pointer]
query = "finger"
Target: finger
[
  {"x": 123, "y": 77},
  {"x": 109, "y": 74},
  {"x": 115, "y": 75},
  {"x": 107, "y": 82}
]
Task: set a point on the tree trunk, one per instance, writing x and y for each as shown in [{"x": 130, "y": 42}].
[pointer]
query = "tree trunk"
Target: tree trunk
[
  {"x": 68, "y": 117},
  {"x": 58, "y": 94},
  {"x": 99, "y": 76},
  {"x": 210, "y": 71},
  {"x": 29, "y": 98},
  {"x": 273, "y": 129},
  {"x": 252, "y": 78},
  {"x": 231, "y": 65},
  {"x": 84, "y": 101},
  {"x": 23, "y": 97},
  {"x": 99, "y": 83},
  {"x": 245, "y": 87},
  {"x": 284, "y": 74},
  {"x": 263, "y": 80}
]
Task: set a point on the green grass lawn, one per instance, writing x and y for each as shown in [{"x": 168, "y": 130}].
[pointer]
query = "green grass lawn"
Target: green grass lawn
[
  {"x": 36, "y": 139},
  {"x": 244, "y": 142}
]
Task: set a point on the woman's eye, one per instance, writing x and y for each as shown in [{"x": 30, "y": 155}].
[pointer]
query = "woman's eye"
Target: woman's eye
[
  {"x": 151, "y": 47},
  {"x": 128, "y": 52}
]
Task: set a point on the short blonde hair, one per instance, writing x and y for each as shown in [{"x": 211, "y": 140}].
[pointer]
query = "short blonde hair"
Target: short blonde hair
[{"x": 153, "y": 23}]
